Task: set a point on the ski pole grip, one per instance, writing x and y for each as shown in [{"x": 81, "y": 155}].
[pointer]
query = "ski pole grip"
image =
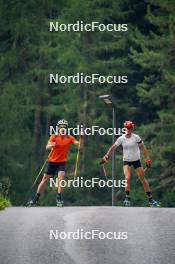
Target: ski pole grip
[{"x": 148, "y": 163}]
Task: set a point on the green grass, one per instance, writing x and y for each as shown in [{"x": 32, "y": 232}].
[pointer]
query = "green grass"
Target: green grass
[{"x": 4, "y": 203}]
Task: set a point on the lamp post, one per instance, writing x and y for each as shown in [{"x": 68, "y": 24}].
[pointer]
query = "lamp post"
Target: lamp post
[{"x": 108, "y": 100}]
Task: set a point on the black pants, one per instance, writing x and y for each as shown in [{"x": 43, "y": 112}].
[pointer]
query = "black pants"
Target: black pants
[
  {"x": 54, "y": 167},
  {"x": 136, "y": 164}
]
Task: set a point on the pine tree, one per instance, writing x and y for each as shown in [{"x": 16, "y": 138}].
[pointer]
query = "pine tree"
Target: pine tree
[{"x": 155, "y": 56}]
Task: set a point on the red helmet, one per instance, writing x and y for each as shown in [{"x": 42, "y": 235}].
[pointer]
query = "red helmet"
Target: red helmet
[{"x": 129, "y": 124}]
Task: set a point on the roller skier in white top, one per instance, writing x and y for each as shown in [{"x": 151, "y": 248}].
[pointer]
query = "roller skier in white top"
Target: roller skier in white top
[{"x": 132, "y": 144}]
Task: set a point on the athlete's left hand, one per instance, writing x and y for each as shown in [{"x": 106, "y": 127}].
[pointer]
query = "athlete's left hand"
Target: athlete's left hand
[{"x": 148, "y": 163}]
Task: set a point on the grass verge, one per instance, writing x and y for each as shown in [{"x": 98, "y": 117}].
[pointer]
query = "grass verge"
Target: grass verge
[{"x": 4, "y": 203}]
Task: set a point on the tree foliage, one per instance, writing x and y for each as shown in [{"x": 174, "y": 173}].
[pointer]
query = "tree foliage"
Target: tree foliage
[{"x": 29, "y": 104}]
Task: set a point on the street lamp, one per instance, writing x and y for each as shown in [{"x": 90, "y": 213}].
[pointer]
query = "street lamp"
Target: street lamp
[{"x": 108, "y": 100}]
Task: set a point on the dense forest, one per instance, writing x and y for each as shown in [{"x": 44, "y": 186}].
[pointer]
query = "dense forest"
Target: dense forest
[{"x": 29, "y": 52}]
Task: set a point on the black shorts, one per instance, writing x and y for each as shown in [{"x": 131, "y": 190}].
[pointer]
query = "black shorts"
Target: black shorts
[
  {"x": 136, "y": 164},
  {"x": 54, "y": 167}
]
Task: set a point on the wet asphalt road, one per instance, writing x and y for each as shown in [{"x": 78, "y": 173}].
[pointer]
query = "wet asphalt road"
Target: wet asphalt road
[{"x": 25, "y": 235}]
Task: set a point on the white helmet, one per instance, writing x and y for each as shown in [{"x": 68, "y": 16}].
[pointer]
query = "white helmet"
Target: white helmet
[{"x": 62, "y": 122}]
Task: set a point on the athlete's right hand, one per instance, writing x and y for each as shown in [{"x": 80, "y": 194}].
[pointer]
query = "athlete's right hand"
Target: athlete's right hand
[
  {"x": 51, "y": 145},
  {"x": 104, "y": 159}
]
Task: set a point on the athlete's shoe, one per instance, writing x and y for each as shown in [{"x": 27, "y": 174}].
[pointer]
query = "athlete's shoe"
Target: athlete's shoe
[
  {"x": 154, "y": 203},
  {"x": 32, "y": 203},
  {"x": 60, "y": 203},
  {"x": 127, "y": 202}
]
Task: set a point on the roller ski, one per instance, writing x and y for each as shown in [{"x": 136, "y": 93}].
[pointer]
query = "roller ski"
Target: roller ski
[
  {"x": 32, "y": 203},
  {"x": 127, "y": 202},
  {"x": 154, "y": 203},
  {"x": 60, "y": 203}
]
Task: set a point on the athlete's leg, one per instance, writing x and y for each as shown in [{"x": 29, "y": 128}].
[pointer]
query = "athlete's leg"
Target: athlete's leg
[
  {"x": 60, "y": 202},
  {"x": 61, "y": 175},
  {"x": 40, "y": 189},
  {"x": 43, "y": 183},
  {"x": 127, "y": 174},
  {"x": 141, "y": 174}
]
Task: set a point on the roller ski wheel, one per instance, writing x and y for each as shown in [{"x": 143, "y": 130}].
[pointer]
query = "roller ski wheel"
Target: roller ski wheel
[{"x": 154, "y": 203}]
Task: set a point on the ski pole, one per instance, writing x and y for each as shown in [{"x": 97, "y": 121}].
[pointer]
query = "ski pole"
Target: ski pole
[
  {"x": 102, "y": 163},
  {"x": 104, "y": 170},
  {"x": 39, "y": 173},
  {"x": 77, "y": 159}
]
